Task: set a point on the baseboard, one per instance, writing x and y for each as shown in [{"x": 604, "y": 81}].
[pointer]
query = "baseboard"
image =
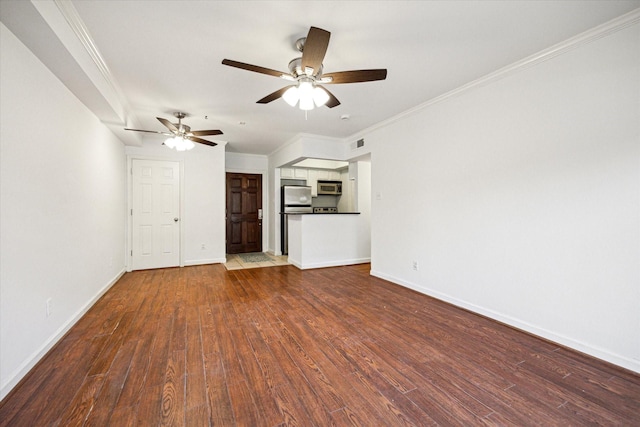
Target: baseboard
[
  {"x": 339, "y": 263},
  {"x": 204, "y": 261},
  {"x": 33, "y": 360},
  {"x": 599, "y": 353}
]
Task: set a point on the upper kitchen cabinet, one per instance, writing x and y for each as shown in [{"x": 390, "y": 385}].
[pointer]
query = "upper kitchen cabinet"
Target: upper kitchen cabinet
[
  {"x": 322, "y": 174},
  {"x": 327, "y": 175},
  {"x": 316, "y": 175},
  {"x": 293, "y": 173},
  {"x": 311, "y": 176},
  {"x": 300, "y": 173},
  {"x": 286, "y": 173}
]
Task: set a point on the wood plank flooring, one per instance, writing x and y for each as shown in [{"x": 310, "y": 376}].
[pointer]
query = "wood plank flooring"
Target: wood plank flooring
[{"x": 203, "y": 346}]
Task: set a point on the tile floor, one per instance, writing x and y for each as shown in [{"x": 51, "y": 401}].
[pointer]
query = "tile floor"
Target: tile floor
[{"x": 234, "y": 262}]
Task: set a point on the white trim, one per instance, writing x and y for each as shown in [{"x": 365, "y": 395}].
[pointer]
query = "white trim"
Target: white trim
[
  {"x": 600, "y": 353},
  {"x": 339, "y": 263},
  {"x": 32, "y": 360},
  {"x": 588, "y": 36},
  {"x": 204, "y": 261},
  {"x": 182, "y": 203},
  {"x": 81, "y": 31}
]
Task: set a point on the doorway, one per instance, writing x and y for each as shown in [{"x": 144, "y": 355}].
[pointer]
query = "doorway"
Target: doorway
[
  {"x": 244, "y": 212},
  {"x": 155, "y": 214}
]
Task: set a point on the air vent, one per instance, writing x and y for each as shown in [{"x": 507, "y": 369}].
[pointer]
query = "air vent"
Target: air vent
[{"x": 359, "y": 143}]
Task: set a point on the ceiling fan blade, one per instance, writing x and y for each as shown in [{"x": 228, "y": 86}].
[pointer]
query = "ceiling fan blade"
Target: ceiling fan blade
[
  {"x": 168, "y": 124},
  {"x": 150, "y": 131},
  {"x": 315, "y": 47},
  {"x": 205, "y": 132},
  {"x": 333, "y": 101},
  {"x": 356, "y": 76},
  {"x": 254, "y": 68},
  {"x": 201, "y": 141},
  {"x": 273, "y": 96}
]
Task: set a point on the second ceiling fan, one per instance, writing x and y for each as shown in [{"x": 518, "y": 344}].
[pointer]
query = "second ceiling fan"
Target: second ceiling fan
[
  {"x": 307, "y": 72},
  {"x": 182, "y": 137}
]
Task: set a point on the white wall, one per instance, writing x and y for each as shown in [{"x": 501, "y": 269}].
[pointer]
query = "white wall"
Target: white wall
[
  {"x": 204, "y": 197},
  {"x": 520, "y": 198},
  {"x": 62, "y": 209},
  {"x": 363, "y": 203},
  {"x": 356, "y": 197},
  {"x": 254, "y": 164}
]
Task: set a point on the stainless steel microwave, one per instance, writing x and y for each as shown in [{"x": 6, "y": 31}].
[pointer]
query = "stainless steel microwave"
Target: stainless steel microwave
[{"x": 330, "y": 187}]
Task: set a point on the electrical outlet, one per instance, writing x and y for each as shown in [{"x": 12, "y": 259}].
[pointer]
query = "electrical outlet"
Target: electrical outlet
[
  {"x": 415, "y": 265},
  {"x": 48, "y": 307}
]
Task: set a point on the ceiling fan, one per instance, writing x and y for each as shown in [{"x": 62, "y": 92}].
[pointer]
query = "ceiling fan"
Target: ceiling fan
[
  {"x": 182, "y": 137},
  {"x": 308, "y": 74}
]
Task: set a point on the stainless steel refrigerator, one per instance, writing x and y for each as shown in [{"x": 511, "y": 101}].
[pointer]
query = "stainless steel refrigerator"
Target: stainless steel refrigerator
[{"x": 294, "y": 199}]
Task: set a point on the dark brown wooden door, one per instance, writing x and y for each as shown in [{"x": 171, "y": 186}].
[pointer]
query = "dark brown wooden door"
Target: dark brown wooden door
[{"x": 244, "y": 208}]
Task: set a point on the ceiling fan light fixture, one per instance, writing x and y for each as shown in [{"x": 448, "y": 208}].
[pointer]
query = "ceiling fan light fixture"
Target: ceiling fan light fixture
[
  {"x": 179, "y": 143},
  {"x": 305, "y": 94},
  {"x": 188, "y": 144},
  {"x": 305, "y": 89},
  {"x": 291, "y": 96},
  {"x": 306, "y": 103},
  {"x": 320, "y": 96}
]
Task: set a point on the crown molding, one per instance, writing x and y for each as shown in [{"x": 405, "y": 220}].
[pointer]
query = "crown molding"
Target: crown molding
[
  {"x": 591, "y": 35},
  {"x": 76, "y": 24},
  {"x": 70, "y": 14},
  {"x": 55, "y": 33}
]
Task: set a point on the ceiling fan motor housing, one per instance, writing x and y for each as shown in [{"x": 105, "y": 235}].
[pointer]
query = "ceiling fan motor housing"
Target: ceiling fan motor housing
[
  {"x": 185, "y": 128},
  {"x": 295, "y": 69}
]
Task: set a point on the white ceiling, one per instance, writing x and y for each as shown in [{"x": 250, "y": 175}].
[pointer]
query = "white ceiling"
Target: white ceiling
[{"x": 166, "y": 56}]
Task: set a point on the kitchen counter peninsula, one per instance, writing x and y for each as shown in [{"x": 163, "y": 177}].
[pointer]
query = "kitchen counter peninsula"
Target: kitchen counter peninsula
[
  {"x": 328, "y": 239},
  {"x": 320, "y": 213}
]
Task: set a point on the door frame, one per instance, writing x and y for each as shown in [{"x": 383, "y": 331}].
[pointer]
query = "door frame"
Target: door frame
[
  {"x": 129, "y": 231},
  {"x": 266, "y": 214}
]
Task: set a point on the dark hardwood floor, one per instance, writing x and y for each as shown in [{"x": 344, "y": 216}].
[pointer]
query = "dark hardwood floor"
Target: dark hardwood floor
[{"x": 201, "y": 346}]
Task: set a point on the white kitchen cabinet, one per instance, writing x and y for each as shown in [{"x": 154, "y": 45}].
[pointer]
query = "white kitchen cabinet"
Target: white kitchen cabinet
[
  {"x": 334, "y": 176},
  {"x": 323, "y": 174},
  {"x": 286, "y": 173},
  {"x": 293, "y": 173},
  {"x": 300, "y": 173}
]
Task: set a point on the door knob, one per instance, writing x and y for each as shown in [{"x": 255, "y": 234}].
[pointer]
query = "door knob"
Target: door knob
[{"x": 175, "y": 219}]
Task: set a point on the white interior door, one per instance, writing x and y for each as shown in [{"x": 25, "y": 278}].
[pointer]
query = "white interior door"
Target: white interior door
[{"x": 156, "y": 214}]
